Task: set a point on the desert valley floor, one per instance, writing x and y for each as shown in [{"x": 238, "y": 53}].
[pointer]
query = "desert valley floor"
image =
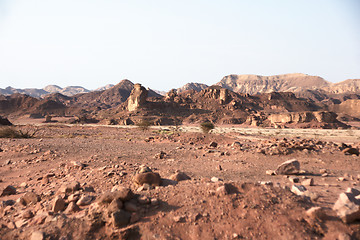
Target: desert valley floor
[{"x": 82, "y": 182}]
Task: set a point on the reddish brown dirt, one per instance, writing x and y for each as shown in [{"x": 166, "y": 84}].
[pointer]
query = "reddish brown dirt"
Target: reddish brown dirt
[{"x": 192, "y": 209}]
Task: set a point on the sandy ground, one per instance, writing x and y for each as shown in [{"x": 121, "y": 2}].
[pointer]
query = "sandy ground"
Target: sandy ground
[{"x": 193, "y": 209}]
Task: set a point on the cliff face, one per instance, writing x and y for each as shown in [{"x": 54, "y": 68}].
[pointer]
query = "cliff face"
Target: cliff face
[{"x": 253, "y": 84}]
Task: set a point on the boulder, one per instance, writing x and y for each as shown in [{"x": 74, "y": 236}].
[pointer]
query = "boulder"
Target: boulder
[
  {"x": 347, "y": 207},
  {"x": 120, "y": 218},
  {"x": 9, "y": 190},
  {"x": 69, "y": 188},
  {"x": 150, "y": 178},
  {"x": 37, "y": 235},
  {"x": 58, "y": 204},
  {"x": 29, "y": 198},
  {"x": 289, "y": 167}
]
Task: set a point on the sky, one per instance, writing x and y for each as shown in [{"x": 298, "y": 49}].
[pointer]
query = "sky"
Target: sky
[{"x": 164, "y": 44}]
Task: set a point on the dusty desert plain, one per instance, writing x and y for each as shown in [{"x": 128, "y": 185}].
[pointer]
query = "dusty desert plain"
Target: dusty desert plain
[{"x": 120, "y": 182}]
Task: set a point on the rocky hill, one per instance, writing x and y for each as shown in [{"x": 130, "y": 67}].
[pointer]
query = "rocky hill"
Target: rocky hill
[
  {"x": 347, "y": 86},
  {"x": 192, "y": 86},
  {"x": 253, "y": 84}
]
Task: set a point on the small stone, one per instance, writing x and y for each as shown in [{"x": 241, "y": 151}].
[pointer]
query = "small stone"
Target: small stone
[
  {"x": 294, "y": 179},
  {"x": 130, "y": 207},
  {"x": 221, "y": 190},
  {"x": 9, "y": 190},
  {"x": 21, "y": 223},
  {"x": 37, "y": 235},
  {"x": 143, "y": 200},
  {"x": 298, "y": 189},
  {"x": 78, "y": 164},
  {"x": 344, "y": 236},
  {"x": 71, "y": 208},
  {"x": 316, "y": 212},
  {"x": 325, "y": 175},
  {"x": 179, "y": 176},
  {"x": 58, "y": 204},
  {"x": 288, "y": 168},
  {"x": 179, "y": 219},
  {"x": 70, "y": 188},
  {"x": 322, "y": 171},
  {"x": 27, "y": 214},
  {"x": 270, "y": 172},
  {"x": 213, "y": 145},
  {"x": 89, "y": 189},
  {"x": 308, "y": 182},
  {"x": 29, "y": 198},
  {"x": 154, "y": 201},
  {"x": 219, "y": 167},
  {"x": 144, "y": 169},
  {"x": 160, "y": 155},
  {"x": 134, "y": 217},
  {"x": 114, "y": 206},
  {"x": 215, "y": 179},
  {"x": 23, "y": 185},
  {"x": 11, "y": 225},
  {"x": 84, "y": 200},
  {"x": 342, "y": 179},
  {"x": 120, "y": 218},
  {"x": 266, "y": 183},
  {"x": 74, "y": 197}
]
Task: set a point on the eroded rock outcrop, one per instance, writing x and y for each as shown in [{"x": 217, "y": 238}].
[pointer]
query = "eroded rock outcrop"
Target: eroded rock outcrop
[
  {"x": 137, "y": 97},
  {"x": 302, "y": 117}
]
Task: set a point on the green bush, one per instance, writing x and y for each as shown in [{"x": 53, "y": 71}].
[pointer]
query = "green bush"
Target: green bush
[{"x": 206, "y": 127}]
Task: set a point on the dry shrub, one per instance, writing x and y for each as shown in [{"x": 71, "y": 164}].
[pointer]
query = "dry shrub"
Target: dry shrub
[
  {"x": 9, "y": 132},
  {"x": 144, "y": 124},
  {"x": 206, "y": 127}
]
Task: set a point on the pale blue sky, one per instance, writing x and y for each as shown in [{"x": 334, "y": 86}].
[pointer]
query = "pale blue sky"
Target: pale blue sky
[{"x": 164, "y": 44}]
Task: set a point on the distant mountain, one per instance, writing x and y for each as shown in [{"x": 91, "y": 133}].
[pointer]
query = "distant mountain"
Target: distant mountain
[
  {"x": 347, "y": 86},
  {"x": 39, "y": 93},
  {"x": 34, "y": 92},
  {"x": 192, "y": 86},
  {"x": 105, "y": 87},
  {"x": 253, "y": 84}
]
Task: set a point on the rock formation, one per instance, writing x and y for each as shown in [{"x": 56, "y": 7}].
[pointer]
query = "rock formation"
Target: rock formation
[
  {"x": 137, "y": 97},
  {"x": 302, "y": 117}
]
